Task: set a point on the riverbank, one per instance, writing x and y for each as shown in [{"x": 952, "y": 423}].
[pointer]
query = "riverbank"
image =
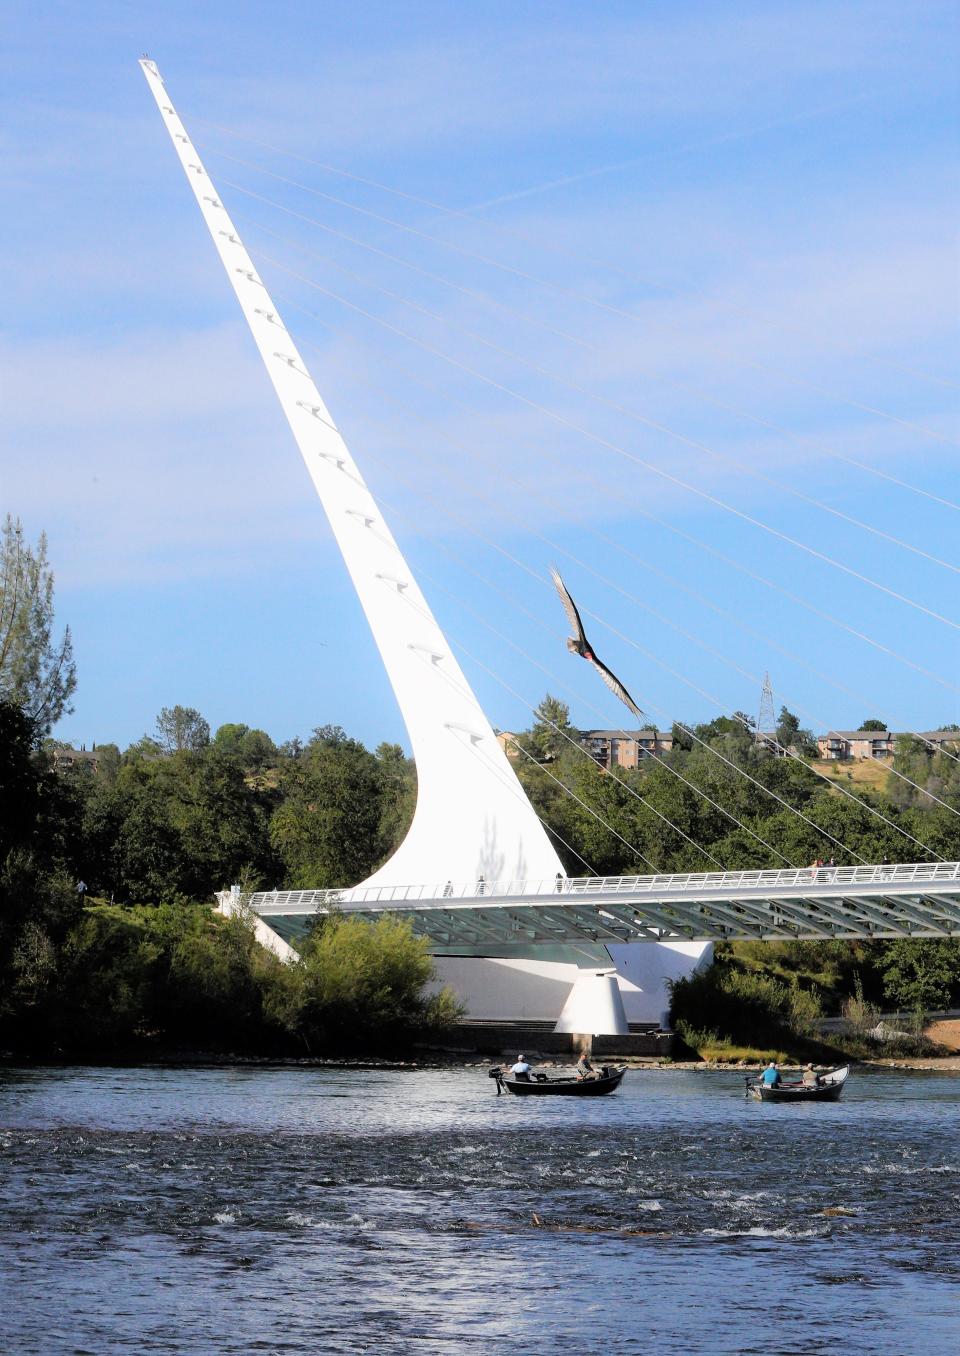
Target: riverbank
[{"x": 437, "y": 1059}]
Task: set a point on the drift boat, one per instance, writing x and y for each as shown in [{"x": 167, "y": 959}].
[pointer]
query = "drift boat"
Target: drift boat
[
  {"x": 828, "y": 1089},
  {"x": 539, "y": 1085}
]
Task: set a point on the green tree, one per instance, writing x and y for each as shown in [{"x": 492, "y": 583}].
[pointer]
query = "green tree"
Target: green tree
[
  {"x": 921, "y": 974},
  {"x": 326, "y": 828},
  {"x": 258, "y": 751},
  {"x": 551, "y": 732},
  {"x": 181, "y": 727},
  {"x": 230, "y": 737},
  {"x": 37, "y": 673},
  {"x": 789, "y": 735},
  {"x": 873, "y": 724},
  {"x": 398, "y": 796},
  {"x": 362, "y": 985}
]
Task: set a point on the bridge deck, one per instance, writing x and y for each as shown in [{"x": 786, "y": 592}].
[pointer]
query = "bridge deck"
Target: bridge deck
[{"x": 903, "y": 900}]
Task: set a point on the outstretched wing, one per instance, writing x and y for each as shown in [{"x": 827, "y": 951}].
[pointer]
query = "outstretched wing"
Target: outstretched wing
[
  {"x": 616, "y": 687},
  {"x": 611, "y": 679},
  {"x": 569, "y": 606}
]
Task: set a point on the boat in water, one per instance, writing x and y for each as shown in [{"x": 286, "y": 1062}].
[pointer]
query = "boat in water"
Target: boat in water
[
  {"x": 540, "y": 1085},
  {"x": 828, "y": 1088}
]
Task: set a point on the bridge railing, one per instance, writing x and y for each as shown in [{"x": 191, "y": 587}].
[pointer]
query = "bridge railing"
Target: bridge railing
[{"x": 559, "y": 888}]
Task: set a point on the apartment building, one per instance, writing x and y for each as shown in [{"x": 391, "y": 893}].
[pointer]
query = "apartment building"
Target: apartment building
[
  {"x": 624, "y": 748},
  {"x": 609, "y": 748},
  {"x": 845, "y": 744}
]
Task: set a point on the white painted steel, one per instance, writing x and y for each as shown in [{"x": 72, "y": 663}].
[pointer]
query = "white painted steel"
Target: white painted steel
[
  {"x": 905, "y": 900},
  {"x": 472, "y": 815},
  {"x": 594, "y": 1007}
]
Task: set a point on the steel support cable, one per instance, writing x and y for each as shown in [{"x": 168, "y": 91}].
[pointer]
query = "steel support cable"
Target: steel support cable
[
  {"x": 615, "y": 447},
  {"x": 904, "y": 484},
  {"x": 715, "y": 701},
  {"x": 635, "y": 415},
  {"x": 687, "y": 730},
  {"x": 709, "y": 748},
  {"x": 473, "y": 216},
  {"x": 555, "y": 546},
  {"x": 699, "y": 791},
  {"x": 674, "y": 673},
  {"x": 663, "y": 523},
  {"x": 582, "y": 803},
  {"x": 759, "y": 420},
  {"x": 718, "y": 654},
  {"x": 727, "y": 616},
  {"x": 596, "y": 815},
  {"x": 690, "y": 732},
  {"x": 553, "y": 676},
  {"x": 461, "y": 602},
  {"x": 632, "y": 316},
  {"x": 670, "y": 622},
  {"x": 842, "y": 790}
]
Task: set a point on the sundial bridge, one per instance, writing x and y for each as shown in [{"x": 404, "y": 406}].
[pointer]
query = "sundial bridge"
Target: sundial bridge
[{"x": 515, "y": 935}]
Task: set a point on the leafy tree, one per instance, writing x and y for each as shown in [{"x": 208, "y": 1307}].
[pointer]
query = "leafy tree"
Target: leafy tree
[
  {"x": 921, "y": 974},
  {"x": 873, "y": 724},
  {"x": 257, "y": 750},
  {"x": 326, "y": 827},
  {"x": 362, "y": 984},
  {"x": 19, "y": 780},
  {"x": 551, "y": 731},
  {"x": 181, "y": 727},
  {"x": 789, "y": 735},
  {"x": 37, "y": 673},
  {"x": 398, "y": 796},
  {"x": 230, "y": 737}
]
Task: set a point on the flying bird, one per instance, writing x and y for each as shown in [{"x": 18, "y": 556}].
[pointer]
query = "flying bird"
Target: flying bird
[{"x": 578, "y": 644}]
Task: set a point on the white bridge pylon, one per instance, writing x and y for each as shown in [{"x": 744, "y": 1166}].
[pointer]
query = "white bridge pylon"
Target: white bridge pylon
[{"x": 472, "y": 815}]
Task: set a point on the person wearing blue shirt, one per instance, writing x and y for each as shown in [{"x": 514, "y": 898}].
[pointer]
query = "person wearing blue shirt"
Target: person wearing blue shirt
[{"x": 771, "y": 1076}]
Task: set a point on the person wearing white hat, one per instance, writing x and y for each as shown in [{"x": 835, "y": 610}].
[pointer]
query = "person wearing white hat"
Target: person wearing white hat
[{"x": 521, "y": 1069}]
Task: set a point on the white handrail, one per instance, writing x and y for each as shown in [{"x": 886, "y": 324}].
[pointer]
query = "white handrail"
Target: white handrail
[{"x": 561, "y": 888}]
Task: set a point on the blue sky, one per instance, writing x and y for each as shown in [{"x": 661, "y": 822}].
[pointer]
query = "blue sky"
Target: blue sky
[{"x": 705, "y": 273}]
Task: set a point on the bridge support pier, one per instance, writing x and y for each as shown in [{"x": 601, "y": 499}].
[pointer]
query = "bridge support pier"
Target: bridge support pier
[{"x": 594, "y": 1006}]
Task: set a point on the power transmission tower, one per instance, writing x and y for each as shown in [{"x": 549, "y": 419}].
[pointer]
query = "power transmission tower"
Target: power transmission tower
[{"x": 767, "y": 717}]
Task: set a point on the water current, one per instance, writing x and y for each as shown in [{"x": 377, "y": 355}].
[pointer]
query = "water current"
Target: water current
[{"x": 305, "y": 1210}]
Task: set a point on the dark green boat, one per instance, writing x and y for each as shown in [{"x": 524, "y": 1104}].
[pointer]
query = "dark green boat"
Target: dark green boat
[{"x": 539, "y": 1085}]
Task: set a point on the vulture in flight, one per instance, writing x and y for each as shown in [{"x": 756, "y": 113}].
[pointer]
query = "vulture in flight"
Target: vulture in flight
[{"x": 578, "y": 644}]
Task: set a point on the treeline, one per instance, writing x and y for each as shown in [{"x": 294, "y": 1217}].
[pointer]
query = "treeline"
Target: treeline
[
  {"x": 110, "y": 862},
  {"x": 182, "y": 815},
  {"x": 108, "y": 942},
  {"x": 722, "y": 799}
]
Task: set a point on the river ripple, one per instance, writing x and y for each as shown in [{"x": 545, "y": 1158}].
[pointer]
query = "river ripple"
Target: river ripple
[{"x": 303, "y": 1210}]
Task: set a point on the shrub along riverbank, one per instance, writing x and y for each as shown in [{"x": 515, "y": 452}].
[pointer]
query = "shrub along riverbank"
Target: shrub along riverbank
[
  {"x": 128, "y": 981},
  {"x": 766, "y": 1000}
]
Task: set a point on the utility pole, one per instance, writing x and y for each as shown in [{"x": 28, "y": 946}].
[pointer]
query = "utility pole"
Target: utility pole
[{"x": 767, "y": 717}]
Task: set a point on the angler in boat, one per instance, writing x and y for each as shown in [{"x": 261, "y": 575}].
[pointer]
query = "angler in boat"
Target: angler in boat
[
  {"x": 526, "y": 1082},
  {"x": 812, "y": 1087}
]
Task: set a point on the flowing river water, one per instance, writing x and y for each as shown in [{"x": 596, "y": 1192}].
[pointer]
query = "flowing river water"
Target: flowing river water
[{"x": 315, "y": 1210}]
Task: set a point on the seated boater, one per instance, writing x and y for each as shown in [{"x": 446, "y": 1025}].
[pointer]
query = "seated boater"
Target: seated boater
[
  {"x": 585, "y": 1069},
  {"x": 771, "y": 1076}
]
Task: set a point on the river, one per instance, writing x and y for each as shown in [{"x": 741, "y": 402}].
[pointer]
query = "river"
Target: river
[{"x": 327, "y": 1210}]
